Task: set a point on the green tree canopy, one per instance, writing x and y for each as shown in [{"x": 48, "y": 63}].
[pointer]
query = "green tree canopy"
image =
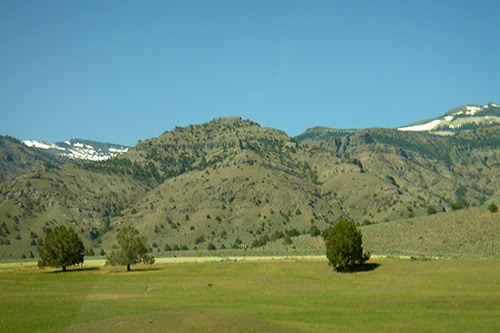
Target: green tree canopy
[
  {"x": 133, "y": 249},
  {"x": 344, "y": 248},
  {"x": 62, "y": 248}
]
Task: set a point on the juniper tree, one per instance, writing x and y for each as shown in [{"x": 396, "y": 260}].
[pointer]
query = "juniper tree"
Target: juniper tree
[
  {"x": 344, "y": 248},
  {"x": 493, "y": 208},
  {"x": 62, "y": 248},
  {"x": 133, "y": 249}
]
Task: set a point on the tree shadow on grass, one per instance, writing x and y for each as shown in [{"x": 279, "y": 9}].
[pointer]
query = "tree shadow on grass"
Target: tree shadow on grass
[
  {"x": 368, "y": 267},
  {"x": 363, "y": 268},
  {"x": 77, "y": 269},
  {"x": 137, "y": 269},
  {"x": 141, "y": 269}
]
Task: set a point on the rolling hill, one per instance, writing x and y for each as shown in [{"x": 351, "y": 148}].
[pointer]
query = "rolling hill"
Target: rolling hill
[{"x": 17, "y": 159}]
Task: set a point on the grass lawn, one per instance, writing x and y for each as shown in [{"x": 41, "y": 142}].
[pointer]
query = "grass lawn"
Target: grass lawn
[{"x": 395, "y": 295}]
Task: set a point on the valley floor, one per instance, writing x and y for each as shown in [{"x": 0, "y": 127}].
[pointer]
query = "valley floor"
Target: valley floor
[{"x": 279, "y": 295}]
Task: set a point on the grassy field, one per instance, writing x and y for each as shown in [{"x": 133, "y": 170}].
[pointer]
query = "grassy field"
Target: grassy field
[{"x": 393, "y": 295}]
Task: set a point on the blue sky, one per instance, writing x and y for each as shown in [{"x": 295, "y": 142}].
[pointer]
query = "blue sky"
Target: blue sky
[{"x": 119, "y": 71}]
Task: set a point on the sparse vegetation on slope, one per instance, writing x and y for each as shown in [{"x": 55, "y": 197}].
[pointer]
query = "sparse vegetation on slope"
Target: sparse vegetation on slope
[
  {"x": 473, "y": 232},
  {"x": 230, "y": 180}
]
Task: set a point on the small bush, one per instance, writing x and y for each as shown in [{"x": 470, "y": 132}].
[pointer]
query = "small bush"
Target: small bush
[
  {"x": 493, "y": 208},
  {"x": 199, "y": 240},
  {"x": 292, "y": 233},
  {"x": 314, "y": 231}
]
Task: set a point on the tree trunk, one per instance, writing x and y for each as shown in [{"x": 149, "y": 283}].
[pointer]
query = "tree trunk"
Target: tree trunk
[
  {"x": 64, "y": 268},
  {"x": 128, "y": 267}
]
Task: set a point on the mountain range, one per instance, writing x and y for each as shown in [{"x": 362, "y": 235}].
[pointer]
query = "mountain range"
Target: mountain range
[{"x": 230, "y": 181}]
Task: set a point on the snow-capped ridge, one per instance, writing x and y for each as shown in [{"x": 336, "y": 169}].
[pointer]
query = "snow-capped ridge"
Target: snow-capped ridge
[
  {"x": 461, "y": 118},
  {"x": 78, "y": 149}
]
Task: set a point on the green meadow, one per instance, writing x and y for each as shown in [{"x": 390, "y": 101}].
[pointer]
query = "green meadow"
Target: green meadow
[{"x": 234, "y": 296}]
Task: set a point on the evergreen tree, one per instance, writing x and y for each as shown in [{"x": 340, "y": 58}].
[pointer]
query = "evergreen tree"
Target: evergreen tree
[
  {"x": 493, "y": 208},
  {"x": 314, "y": 231},
  {"x": 344, "y": 248},
  {"x": 62, "y": 248},
  {"x": 133, "y": 249}
]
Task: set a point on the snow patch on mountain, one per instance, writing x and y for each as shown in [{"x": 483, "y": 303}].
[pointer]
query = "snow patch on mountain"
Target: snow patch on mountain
[
  {"x": 80, "y": 149},
  {"x": 461, "y": 118},
  {"x": 425, "y": 127}
]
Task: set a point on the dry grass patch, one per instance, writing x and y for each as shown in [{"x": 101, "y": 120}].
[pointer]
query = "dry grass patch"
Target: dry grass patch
[
  {"x": 473, "y": 232},
  {"x": 180, "y": 322}
]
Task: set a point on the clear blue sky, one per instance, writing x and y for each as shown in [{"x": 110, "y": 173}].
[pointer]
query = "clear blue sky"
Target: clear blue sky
[{"x": 119, "y": 71}]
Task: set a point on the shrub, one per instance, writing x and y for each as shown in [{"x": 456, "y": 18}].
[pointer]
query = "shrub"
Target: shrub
[
  {"x": 431, "y": 210},
  {"x": 199, "y": 240},
  {"x": 261, "y": 241},
  {"x": 344, "y": 248},
  {"x": 314, "y": 231},
  {"x": 277, "y": 235},
  {"x": 493, "y": 208},
  {"x": 292, "y": 233},
  {"x": 211, "y": 247}
]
